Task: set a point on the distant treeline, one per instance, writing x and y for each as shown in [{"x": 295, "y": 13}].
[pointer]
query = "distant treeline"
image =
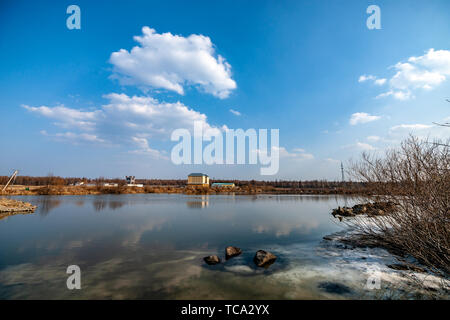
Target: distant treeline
[{"x": 291, "y": 184}]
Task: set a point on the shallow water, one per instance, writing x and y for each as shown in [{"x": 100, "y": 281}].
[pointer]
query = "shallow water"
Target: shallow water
[{"x": 150, "y": 246}]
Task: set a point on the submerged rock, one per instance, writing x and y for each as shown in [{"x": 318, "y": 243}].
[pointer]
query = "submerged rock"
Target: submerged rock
[
  {"x": 231, "y": 252},
  {"x": 334, "y": 287},
  {"x": 264, "y": 258},
  {"x": 343, "y": 212},
  {"x": 212, "y": 260}
]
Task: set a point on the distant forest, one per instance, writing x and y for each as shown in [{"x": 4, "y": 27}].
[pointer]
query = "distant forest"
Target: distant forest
[{"x": 292, "y": 184}]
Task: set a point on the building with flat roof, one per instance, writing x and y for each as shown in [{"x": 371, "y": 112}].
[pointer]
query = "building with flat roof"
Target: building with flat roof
[
  {"x": 222, "y": 185},
  {"x": 198, "y": 179}
]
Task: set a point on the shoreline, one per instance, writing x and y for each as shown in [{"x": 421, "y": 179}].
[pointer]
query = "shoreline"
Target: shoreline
[{"x": 23, "y": 190}]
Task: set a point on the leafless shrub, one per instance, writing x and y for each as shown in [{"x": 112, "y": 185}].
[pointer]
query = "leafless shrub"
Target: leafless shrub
[{"x": 415, "y": 177}]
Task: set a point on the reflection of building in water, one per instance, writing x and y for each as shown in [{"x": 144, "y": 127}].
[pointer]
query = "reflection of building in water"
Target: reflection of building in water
[
  {"x": 198, "y": 179},
  {"x": 198, "y": 203}
]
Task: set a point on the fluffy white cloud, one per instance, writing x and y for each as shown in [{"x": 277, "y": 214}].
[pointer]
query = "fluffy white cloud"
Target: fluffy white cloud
[
  {"x": 144, "y": 148},
  {"x": 124, "y": 121},
  {"x": 67, "y": 117},
  {"x": 362, "y": 117},
  {"x": 170, "y": 62},
  {"x": 423, "y": 72},
  {"x": 236, "y": 113},
  {"x": 380, "y": 82}
]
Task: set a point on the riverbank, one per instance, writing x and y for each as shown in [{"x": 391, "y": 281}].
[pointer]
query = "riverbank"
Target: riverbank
[{"x": 99, "y": 190}]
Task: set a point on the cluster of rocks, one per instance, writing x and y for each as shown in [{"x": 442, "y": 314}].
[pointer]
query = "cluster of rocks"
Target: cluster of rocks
[
  {"x": 262, "y": 258},
  {"x": 371, "y": 209}
]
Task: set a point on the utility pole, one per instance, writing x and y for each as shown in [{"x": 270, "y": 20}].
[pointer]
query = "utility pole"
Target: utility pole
[
  {"x": 342, "y": 172},
  {"x": 13, "y": 176}
]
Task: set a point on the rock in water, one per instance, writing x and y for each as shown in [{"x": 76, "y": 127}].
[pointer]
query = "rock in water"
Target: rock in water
[
  {"x": 212, "y": 260},
  {"x": 264, "y": 258},
  {"x": 231, "y": 252}
]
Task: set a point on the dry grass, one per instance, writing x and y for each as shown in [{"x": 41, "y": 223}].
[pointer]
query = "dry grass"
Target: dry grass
[{"x": 416, "y": 178}]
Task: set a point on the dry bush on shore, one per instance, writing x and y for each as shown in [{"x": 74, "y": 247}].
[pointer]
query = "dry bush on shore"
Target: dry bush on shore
[{"x": 416, "y": 178}]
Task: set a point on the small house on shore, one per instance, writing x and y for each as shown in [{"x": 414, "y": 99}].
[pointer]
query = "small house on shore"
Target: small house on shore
[
  {"x": 131, "y": 182},
  {"x": 198, "y": 179}
]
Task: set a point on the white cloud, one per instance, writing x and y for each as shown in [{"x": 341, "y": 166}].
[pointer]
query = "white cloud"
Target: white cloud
[
  {"x": 422, "y": 131},
  {"x": 144, "y": 148},
  {"x": 236, "y": 113},
  {"x": 297, "y": 153},
  {"x": 380, "y": 82},
  {"x": 359, "y": 146},
  {"x": 373, "y": 138},
  {"x": 416, "y": 126},
  {"x": 67, "y": 117},
  {"x": 168, "y": 61},
  {"x": 365, "y": 78},
  {"x": 418, "y": 73},
  {"x": 75, "y": 138},
  {"x": 362, "y": 117},
  {"x": 124, "y": 120},
  {"x": 375, "y": 80},
  {"x": 364, "y": 146}
]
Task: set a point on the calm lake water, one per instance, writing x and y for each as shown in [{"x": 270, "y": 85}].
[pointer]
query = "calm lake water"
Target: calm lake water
[{"x": 151, "y": 246}]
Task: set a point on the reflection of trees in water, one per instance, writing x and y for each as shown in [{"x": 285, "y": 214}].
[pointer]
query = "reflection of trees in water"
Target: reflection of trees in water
[
  {"x": 113, "y": 205},
  {"x": 48, "y": 204},
  {"x": 301, "y": 198},
  {"x": 101, "y": 204},
  {"x": 79, "y": 203}
]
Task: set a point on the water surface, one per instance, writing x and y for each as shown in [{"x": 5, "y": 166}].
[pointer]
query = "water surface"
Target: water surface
[{"x": 150, "y": 246}]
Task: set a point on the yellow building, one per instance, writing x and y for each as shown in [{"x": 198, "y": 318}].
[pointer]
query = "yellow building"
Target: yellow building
[{"x": 198, "y": 179}]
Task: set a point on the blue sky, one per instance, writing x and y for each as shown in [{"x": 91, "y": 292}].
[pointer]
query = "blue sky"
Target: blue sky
[{"x": 311, "y": 69}]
